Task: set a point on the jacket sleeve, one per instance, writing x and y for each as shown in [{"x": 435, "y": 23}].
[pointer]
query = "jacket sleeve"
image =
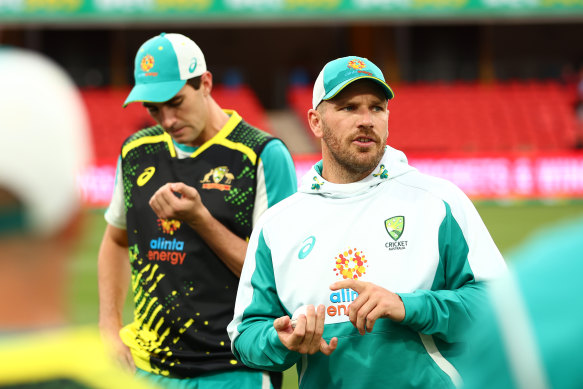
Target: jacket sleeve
[
  {"x": 276, "y": 177},
  {"x": 448, "y": 308},
  {"x": 254, "y": 341}
]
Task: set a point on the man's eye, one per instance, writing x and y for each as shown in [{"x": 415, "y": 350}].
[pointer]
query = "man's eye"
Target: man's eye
[
  {"x": 175, "y": 103},
  {"x": 348, "y": 108}
]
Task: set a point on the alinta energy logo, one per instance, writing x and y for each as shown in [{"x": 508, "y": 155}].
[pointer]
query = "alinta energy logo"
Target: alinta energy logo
[
  {"x": 147, "y": 64},
  {"x": 358, "y": 65},
  {"x": 395, "y": 226},
  {"x": 349, "y": 264},
  {"x": 167, "y": 250},
  {"x": 213, "y": 179}
]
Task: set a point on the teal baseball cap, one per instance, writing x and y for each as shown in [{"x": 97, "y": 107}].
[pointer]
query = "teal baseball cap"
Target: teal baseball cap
[
  {"x": 162, "y": 66},
  {"x": 339, "y": 73}
]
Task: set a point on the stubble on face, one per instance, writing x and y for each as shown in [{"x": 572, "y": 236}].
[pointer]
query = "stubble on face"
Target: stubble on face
[
  {"x": 353, "y": 129},
  {"x": 355, "y": 161}
]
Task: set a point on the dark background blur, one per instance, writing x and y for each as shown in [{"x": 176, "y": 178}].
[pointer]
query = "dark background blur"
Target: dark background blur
[{"x": 268, "y": 57}]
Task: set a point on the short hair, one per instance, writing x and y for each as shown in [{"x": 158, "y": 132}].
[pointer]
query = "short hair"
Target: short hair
[{"x": 194, "y": 82}]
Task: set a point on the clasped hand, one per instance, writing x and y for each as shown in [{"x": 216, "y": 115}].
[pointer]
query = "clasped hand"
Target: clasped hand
[{"x": 178, "y": 201}]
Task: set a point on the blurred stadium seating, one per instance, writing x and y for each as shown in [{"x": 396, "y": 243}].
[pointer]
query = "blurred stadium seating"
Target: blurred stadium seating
[
  {"x": 473, "y": 117},
  {"x": 458, "y": 117},
  {"x": 111, "y": 123}
]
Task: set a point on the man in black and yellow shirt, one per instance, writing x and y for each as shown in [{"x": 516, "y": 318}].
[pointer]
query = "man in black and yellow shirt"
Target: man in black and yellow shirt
[
  {"x": 42, "y": 112},
  {"x": 188, "y": 192}
]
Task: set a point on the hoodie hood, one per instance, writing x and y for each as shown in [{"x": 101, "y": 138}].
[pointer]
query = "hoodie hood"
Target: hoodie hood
[{"x": 393, "y": 164}]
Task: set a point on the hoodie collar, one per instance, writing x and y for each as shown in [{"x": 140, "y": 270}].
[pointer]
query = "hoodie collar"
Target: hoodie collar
[{"x": 393, "y": 164}]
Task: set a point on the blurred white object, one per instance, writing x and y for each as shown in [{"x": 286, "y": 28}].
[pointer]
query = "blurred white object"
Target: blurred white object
[
  {"x": 300, "y": 311},
  {"x": 41, "y": 114}
]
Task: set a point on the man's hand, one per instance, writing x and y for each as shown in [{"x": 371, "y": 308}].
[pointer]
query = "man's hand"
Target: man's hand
[
  {"x": 373, "y": 302},
  {"x": 118, "y": 350},
  {"x": 178, "y": 201},
  {"x": 306, "y": 338}
]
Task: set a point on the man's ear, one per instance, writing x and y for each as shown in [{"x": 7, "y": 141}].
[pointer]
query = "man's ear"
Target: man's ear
[
  {"x": 315, "y": 122},
  {"x": 206, "y": 83}
]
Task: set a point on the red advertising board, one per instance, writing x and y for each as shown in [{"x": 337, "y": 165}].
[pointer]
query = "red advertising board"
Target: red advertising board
[{"x": 483, "y": 176}]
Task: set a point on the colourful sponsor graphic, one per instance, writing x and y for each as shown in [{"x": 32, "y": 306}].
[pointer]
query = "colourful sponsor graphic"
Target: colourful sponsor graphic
[
  {"x": 350, "y": 264},
  {"x": 356, "y": 64},
  {"x": 212, "y": 180},
  {"x": 165, "y": 250},
  {"x": 341, "y": 300},
  {"x": 147, "y": 63},
  {"x": 168, "y": 226}
]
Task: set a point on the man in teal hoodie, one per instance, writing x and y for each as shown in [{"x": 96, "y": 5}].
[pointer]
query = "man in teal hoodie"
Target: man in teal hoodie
[{"x": 379, "y": 266}]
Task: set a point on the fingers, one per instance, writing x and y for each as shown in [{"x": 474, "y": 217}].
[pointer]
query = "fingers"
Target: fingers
[
  {"x": 318, "y": 325},
  {"x": 328, "y": 348},
  {"x": 162, "y": 202},
  {"x": 306, "y": 337},
  {"x": 347, "y": 284},
  {"x": 175, "y": 201},
  {"x": 373, "y": 302},
  {"x": 282, "y": 323},
  {"x": 128, "y": 361},
  {"x": 183, "y": 190},
  {"x": 305, "y": 330},
  {"x": 366, "y": 316}
]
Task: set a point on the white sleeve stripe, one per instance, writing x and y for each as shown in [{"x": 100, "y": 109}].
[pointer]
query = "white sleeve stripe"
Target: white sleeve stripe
[
  {"x": 116, "y": 212},
  {"x": 261, "y": 201},
  {"x": 440, "y": 360},
  {"x": 517, "y": 335}
]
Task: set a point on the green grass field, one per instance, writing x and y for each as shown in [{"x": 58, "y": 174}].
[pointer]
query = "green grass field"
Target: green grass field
[{"x": 509, "y": 224}]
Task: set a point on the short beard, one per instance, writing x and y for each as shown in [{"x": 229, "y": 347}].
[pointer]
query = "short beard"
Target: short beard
[{"x": 348, "y": 161}]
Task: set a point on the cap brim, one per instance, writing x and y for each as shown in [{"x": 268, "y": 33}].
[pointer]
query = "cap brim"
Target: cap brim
[
  {"x": 386, "y": 88},
  {"x": 156, "y": 92}
]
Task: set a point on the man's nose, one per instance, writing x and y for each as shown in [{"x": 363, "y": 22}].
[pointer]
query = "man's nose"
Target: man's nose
[
  {"x": 167, "y": 117},
  {"x": 365, "y": 117}
]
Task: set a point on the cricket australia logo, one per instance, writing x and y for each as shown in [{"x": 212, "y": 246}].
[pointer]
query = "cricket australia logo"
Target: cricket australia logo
[
  {"x": 214, "y": 179},
  {"x": 382, "y": 173},
  {"x": 317, "y": 184},
  {"x": 395, "y": 227}
]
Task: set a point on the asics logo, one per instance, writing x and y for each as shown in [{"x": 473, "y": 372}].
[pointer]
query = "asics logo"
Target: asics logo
[
  {"x": 307, "y": 247},
  {"x": 192, "y": 65},
  {"x": 146, "y": 175}
]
